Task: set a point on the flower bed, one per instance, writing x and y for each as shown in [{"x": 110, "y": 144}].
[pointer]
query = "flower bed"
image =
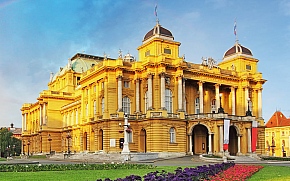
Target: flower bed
[
  {"x": 193, "y": 174},
  {"x": 237, "y": 173}
]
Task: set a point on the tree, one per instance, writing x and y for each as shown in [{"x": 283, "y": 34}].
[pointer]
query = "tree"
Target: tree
[{"x": 9, "y": 146}]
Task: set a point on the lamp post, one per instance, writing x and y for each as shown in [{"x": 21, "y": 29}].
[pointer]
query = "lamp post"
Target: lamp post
[
  {"x": 126, "y": 149},
  {"x": 68, "y": 138},
  {"x": 221, "y": 109},
  {"x": 28, "y": 143},
  {"x": 23, "y": 145},
  {"x": 14, "y": 150},
  {"x": 248, "y": 112},
  {"x": 49, "y": 139}
]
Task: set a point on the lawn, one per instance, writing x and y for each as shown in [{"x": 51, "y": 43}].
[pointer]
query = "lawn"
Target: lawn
[
  {"x": 267, "y": 173},
  {"x": 274, "y": 173}
]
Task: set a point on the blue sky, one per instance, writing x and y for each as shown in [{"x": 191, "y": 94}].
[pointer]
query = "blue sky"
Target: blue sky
[{"x": 38, "y": 36}]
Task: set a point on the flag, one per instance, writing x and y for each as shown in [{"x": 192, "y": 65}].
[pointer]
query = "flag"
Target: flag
[
  {"x": 226, "y": 134},
  {"x": 155, "y": 11},
  {"x": 235, "y": 28}
]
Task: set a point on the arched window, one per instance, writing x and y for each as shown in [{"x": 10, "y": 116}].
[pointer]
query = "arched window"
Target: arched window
[
  {"x": 197, "y": 106},
  {"x": 213, "y": 106},
  {"x": 95, "y": 107},
  {"x": 168, "y": 100},
  {"x": 126, "y": 105},
  {"x": 172, "y": 135},
  {"x": 146, "y": 102},
  {"x": 103, "y": 105}
]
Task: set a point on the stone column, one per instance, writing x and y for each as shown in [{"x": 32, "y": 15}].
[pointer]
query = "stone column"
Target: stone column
[
  {"x": 183, "y": 97},
  {"x": 233, "y": 91},
  {"x": 23, "y": 122},
  {"x": 249, "y": 140},
  {"x": 180, "y": 97},
  {"x": 221, "y": 138},
  {"x": 137, "y": 95},
  {"x": 44, "y": 113},
  {"x": 246, "y": 98},
  {"x": 97, "y": 99},
  {"x": 260, "y": 103},
  {"x": 200, "y": 89},
  {"x": 209, "y": 144},
  {"x": 40, "y": 115},
  {"x": 119, "y": 93},
  {"x": 190, "y": 144},
  {"x": 217, "y": 97},
  {"x": 239, "y": 145},
  {"x": 89, "y": 103},
  {"x": 77, "y": 117},
  {"x": 150, "y": 106},
  {"x": 162, "y": 90}
]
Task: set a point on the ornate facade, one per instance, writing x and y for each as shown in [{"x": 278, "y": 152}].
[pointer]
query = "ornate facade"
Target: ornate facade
[{"x": 173, "y": 106}]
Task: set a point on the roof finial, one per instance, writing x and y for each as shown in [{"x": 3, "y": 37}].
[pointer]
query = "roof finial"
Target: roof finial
[{"x": 235, "y": 30}]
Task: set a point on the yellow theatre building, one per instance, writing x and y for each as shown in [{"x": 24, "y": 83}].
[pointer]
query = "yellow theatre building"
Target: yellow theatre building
[{"x": 173, "y": 106}]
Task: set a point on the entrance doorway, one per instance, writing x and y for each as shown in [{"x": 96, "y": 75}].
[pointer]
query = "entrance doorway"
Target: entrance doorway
[
  {"x": 101, "y": 139},
  {"x": 233, "y": 142},
  {"x": 143, "y": 141},
  {"x": 199, "y": 139}
]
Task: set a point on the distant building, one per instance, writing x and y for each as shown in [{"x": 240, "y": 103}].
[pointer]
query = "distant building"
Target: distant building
[
  {"x": 277, "y": 134},
  {"x": 16, "y": 132},
  {"x": 174, "y": 106}
]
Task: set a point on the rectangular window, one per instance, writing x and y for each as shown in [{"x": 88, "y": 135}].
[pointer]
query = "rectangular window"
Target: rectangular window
[
  {"x": 130, "y": 137},
  {"x": 167, "y": 51},
  {"x": 248, "y": 67},
  {"x": 102, "y": 85},
  {"x": 147, "y": 53},
  {"x": 126, "y": 84},
  {"x": 95, "y": 88}
]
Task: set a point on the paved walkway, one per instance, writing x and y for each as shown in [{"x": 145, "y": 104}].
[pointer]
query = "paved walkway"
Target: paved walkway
[{"x": 192, "y": 160}]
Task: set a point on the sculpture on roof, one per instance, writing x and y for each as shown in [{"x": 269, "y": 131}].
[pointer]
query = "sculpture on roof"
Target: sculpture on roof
[
  {"x": 120, "y": 53},
  {"x": 204, "y": 61}
]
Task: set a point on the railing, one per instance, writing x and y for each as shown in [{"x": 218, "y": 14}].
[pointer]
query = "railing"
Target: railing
[{"x": 218, "y": 116}]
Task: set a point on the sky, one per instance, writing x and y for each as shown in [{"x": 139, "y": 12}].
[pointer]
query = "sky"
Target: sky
[{"x": 39, "y": 36}]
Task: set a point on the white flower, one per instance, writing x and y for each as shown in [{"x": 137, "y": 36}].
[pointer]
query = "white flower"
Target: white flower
[
  {"x": 26, "y": 166},
  {"x": 39, "y": 165}
]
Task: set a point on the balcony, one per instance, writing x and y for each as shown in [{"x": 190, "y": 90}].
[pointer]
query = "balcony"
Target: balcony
[{"x": 218, "y": 116}]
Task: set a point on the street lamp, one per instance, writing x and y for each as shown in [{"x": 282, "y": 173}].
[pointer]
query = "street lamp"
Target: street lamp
[
  {"x": 28, "y": 143},
  {"x": 126, "y": 149},
  {"x": 221, "y": 109},
  {"x": 248, "y": 112},
  {"x": 14, "y": 150},
  {"x": 23, "y": 145},
  {"x": 68, "y": 138},
  {"x": 49, "y": 139}
]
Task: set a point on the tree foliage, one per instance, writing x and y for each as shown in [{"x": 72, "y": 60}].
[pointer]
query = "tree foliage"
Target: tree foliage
[{"x": 9, "y": 146}]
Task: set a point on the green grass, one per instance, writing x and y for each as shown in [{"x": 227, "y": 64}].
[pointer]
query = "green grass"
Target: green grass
[
  {"x": 272, "y": 173},
  {"x": 3, "y": 159},
  {"x": 38, "y": 156}
]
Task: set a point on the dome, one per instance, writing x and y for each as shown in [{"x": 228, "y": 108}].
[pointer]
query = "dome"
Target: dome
[
  {"x": 79, "y": 63},
  {"x": 158, "y": 31},
  {"x": 238, "y": 49}
]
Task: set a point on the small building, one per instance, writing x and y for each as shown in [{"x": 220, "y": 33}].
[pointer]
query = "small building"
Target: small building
[{"x": 277, "y": 135}]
